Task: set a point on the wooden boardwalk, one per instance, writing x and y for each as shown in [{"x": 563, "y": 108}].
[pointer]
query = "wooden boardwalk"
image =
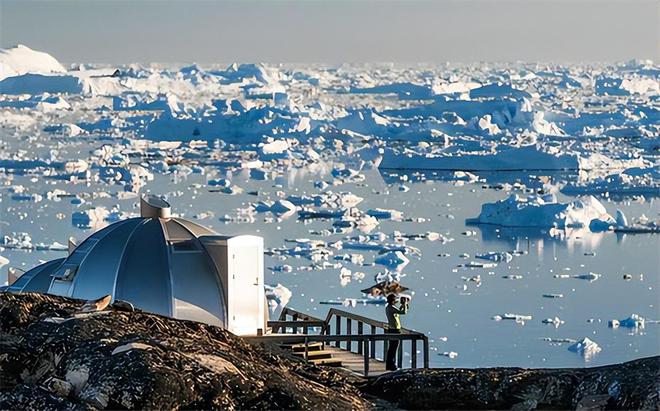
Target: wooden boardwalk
[{"x": 355, "y": 362}]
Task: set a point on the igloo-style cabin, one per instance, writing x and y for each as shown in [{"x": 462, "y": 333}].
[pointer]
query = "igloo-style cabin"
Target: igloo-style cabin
[{"x": 164, "y": 265}]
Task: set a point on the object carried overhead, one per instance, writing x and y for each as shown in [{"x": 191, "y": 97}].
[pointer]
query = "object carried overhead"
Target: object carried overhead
[{"x": 385, "y": 288}]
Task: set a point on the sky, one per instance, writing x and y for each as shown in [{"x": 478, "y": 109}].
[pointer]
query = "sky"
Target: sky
[{"x": 143, "y": 31}]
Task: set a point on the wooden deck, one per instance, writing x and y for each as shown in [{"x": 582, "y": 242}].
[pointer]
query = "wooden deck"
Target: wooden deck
[
  {"x": 343, "y": 339},
  {"x": 355, "y": 362}
]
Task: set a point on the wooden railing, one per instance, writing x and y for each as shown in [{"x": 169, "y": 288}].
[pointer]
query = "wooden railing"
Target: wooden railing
[
  {"x": 377, "y": 332},
  {"x": 298, "y": 320},
  {"x": 363, "y": 339}
]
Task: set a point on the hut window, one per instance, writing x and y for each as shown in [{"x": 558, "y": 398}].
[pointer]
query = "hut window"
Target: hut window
[
  {"x": 185, "y": 246},
  {"x": 66, "y": 272}
]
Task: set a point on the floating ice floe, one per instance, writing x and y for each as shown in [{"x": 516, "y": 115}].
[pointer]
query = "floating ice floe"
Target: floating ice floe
[
  {"x": 586, "y": 348},
  {"x": 622, "y": 225},
  {"x": 519, "y": 318},
  {"x": 384, "y": 214},
  {"x": 635, "y": 321},
  {"x": 392, "y": 259},
  {"x": 496, "y": 256},
  {"x": 554, "y": 321},
  {"x": 551, "y": 295},
  {"x": 588, "y": 276},
  {"x": 631, "y": 181},
  {"x": 476, "y": 264},
  {"x": 275, "y": 207},
  {"x": 23, "y": 241}
]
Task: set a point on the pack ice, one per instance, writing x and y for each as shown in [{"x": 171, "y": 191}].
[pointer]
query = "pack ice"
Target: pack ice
[{"x": 96, "y": 135}]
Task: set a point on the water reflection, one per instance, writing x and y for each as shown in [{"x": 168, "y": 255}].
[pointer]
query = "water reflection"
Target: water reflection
[
  {"x": 530, "y": 238},
  {"x": 532, "y": 180}
]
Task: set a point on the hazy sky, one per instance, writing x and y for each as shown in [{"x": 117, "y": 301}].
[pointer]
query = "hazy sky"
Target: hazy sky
[{"x": 334, "y": 31}]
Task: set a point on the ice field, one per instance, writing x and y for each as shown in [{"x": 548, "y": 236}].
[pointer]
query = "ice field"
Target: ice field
[{"x": 518, "y": 202}]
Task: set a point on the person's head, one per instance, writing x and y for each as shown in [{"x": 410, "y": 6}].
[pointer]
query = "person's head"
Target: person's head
[{"x": 391, "y": 299}]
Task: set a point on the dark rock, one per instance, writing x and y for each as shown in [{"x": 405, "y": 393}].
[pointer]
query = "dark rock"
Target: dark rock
[
  {"x": 121, "y": 305},
  {"x": 632, "y": 385},
  {"x": 56, "y": 357}
]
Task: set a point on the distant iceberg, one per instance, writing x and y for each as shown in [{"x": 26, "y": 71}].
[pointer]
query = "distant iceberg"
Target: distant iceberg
[{"x": 19, "y": 60}]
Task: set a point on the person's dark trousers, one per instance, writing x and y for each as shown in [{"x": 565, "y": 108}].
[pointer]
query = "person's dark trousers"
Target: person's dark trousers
[{"x": 390, "y": 361}]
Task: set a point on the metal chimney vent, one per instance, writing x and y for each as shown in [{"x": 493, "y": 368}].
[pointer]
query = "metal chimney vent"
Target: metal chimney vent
[{"x": 154, "y": 207}]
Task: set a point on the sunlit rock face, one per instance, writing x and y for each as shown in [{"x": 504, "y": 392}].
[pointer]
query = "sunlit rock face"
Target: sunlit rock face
[{"x": 56, "y": 357}]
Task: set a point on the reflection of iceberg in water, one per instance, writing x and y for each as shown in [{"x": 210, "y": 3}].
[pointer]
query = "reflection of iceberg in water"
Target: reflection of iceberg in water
[
  {"x": 524, "y": 238},
  {"x": 493, "y": 178}
]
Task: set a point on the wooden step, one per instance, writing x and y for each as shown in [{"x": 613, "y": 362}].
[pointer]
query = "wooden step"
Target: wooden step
[
  {"x": 315, "y": 346},
  {"x": 313, "y": 355},
  {"x": 329, "y": 362}
]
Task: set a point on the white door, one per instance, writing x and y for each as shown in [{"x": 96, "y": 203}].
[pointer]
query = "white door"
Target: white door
[{"x": 246, "y": 294}]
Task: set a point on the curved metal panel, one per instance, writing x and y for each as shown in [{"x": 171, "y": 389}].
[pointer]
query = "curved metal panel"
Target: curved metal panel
[
  {"x": 196, "y": 229},
  {"x": 143, "y": 277},
  {"x": 195, "y": 287},
  {"x": 97, "y": 273},
  {"x": 175, "y": 231},
  {"x": 37, "y": 279}
]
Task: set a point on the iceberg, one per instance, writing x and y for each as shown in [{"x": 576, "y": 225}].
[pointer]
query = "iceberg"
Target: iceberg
[
  {"x": 585, "y": 348},
  {"x": 545, "y": 212},
  {"x": 21, "y": 59}
]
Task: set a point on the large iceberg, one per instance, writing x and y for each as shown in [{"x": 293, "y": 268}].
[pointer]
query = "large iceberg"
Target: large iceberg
[
  {"x": 21, "y": 59},
  {"x": 546, "y": 212}
]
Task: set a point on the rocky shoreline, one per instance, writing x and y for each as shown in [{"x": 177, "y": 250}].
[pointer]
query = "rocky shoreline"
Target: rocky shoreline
[{"x": 55, "y": 356}]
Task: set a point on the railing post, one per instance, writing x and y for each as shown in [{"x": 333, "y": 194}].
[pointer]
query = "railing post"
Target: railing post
[
  {"x": 413, "y": 353},
  {"x": 425, "y": 340},
  {"x": 372, "y": 349},
  {"x": 349, "y": 327},
  {"x": 399, "y": 352},
  {"x": 365, "y": 342},
  {"x": 306, "y": 349},
  {"x": 295, "y": 318},
  {"x": 338, "y": 330},
  {"x": 360, "y": 332}
]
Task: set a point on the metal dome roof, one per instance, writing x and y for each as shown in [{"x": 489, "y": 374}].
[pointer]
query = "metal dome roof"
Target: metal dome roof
[{"x": 156, "y": 262}]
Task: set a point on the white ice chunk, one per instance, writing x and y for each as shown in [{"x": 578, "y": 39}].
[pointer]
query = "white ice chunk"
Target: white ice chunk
[{"x": 585, "y": 348}]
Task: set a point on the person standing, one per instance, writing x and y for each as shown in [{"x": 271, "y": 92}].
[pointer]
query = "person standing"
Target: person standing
[{"x": 394, "y": 327}]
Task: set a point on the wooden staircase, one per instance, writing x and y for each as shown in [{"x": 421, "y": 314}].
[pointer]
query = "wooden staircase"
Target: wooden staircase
[
  {"x": 327, "y": 342},
  {"x": 316, "y": 353}
]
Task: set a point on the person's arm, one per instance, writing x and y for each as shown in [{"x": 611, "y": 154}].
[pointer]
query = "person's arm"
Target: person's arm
[{"x": 402, "y": 310}]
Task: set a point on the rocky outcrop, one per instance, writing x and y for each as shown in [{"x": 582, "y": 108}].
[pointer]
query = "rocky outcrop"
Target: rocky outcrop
[
  {"x": 632, "y": 385},
  {"x": 55, "y": 356},
  {"x": 60, "y": 353}
]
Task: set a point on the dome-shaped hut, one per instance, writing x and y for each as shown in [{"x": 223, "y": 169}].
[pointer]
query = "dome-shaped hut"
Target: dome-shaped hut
[{"x": 164, "y": 265}]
